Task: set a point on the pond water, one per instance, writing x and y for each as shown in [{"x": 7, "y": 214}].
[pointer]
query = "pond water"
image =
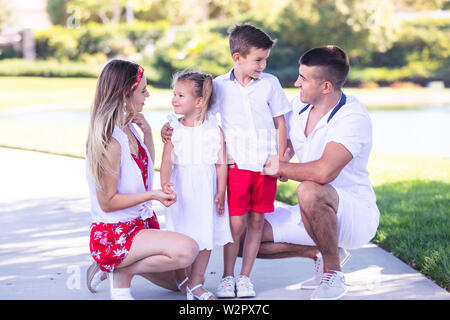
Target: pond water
[{"x": 423, "y": 131}]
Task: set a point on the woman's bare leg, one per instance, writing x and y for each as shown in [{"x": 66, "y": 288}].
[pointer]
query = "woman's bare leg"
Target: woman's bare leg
[
  {"x": 164, "y": 279},
  {"x": 155, "y": 250}
]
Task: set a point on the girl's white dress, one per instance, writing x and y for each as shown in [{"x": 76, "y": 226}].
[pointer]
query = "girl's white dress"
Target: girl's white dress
[{"x": 194, "y": 177}]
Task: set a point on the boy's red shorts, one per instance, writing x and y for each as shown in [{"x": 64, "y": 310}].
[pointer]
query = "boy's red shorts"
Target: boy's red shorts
[{"x": 250, "y": 191}]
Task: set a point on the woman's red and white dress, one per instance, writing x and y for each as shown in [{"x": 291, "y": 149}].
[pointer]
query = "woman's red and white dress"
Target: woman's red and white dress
[{"x": 111, "y": 242}]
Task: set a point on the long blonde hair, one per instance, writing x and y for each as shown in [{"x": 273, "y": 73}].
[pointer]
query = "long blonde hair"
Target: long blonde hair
[
  {"x": 203, "y": 87},
  {"x": 107, "y": 111}
]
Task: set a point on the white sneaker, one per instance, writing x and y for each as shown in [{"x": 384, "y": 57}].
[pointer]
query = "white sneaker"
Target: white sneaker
[
  {"x": 244, "y": 287},
  {"x": 332, "y": 287},
  {"x": 226, "y": 288},
  {"x": 314, "y": 282}
]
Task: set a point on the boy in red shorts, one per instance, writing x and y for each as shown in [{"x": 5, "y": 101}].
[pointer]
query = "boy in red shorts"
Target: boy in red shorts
[{"x": 251, "y": 105}]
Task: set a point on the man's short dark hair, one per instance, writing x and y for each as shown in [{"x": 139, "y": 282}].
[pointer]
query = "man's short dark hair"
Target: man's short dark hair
[
  {"x": 334, "y": 61},
  {"x": 242, "y": 37}
]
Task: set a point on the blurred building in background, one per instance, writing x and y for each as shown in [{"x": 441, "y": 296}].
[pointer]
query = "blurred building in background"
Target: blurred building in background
[{"x": 22, "y": 17}]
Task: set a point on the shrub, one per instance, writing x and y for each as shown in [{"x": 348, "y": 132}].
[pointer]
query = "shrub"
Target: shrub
[
  {"x": 46, "y": 68},
  {"x": 57, "y": 42},
  {"x": 420, "y": 55},
  {"x": 417, "y": 72},
  {"x": 190, "y": 48},
  {"x": 141, "y": 34},
  {"x": 92, "y": 38}
]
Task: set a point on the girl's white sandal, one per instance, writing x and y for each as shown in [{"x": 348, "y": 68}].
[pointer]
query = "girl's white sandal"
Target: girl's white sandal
[
  {"x": 181, "y": 284},
  {"x": 191, "y": 296}
]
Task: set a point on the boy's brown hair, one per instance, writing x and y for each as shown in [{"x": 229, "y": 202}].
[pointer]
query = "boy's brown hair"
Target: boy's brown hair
[{"x": 242, "y": 37}]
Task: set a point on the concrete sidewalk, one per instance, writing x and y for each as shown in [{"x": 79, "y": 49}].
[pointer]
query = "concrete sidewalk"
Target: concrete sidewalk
[{"x": 44, "y": 245}]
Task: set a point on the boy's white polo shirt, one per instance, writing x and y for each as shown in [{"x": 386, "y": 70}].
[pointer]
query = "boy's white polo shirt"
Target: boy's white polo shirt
[
  {"x": 247, "y": 114},
  {"x": 347, "y": 123}
]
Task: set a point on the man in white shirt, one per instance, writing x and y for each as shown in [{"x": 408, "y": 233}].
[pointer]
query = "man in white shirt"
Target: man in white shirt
[{"x": 331, "y": 135}]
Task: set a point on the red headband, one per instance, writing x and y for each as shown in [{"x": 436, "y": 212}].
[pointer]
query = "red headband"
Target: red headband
[{"x": 138, "y": 79}]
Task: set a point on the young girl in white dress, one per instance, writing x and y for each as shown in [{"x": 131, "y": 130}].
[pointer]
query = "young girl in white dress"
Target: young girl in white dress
[{"x": 194, "y": 165}]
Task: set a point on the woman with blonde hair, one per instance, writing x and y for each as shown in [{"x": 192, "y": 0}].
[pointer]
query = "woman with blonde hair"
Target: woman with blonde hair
[{"x": 125, "y": 239}]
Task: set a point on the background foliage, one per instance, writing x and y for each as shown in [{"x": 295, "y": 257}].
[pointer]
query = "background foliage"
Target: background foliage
[{"x": 167, "y": 35}]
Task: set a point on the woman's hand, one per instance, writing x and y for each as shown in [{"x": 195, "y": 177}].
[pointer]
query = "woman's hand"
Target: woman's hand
[
  {"x": 142, "y": 123},
  {"x": 219, "y": 199},
  {"x": 167, "y": 199}
]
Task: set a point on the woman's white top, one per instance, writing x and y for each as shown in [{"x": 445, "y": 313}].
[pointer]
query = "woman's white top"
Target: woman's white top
[
  {"x": 194, "y": 177},
  {"x": 130, "y": 181}
]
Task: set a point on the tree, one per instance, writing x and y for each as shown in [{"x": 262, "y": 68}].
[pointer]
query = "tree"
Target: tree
[
  {"x": 229, "y": 9},
  {"x": 57, "y": 11},
  {"x": 4, "y": 14},
  {"x": 104, "y": 11},
  {"x": 419, "y": 5},
  {"x": 360, "y": 27}
]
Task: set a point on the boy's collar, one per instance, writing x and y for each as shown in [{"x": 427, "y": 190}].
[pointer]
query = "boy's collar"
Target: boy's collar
[{"x": 232, "y": 77}]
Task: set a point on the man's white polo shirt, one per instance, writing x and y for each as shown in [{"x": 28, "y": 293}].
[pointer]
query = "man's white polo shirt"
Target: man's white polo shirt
[
  {"x": 347, "y": 123},
  {"x": 247, "y": 114}
]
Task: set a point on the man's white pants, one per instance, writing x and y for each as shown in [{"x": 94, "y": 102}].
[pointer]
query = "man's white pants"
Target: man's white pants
[{"x": 357, "y": 222}]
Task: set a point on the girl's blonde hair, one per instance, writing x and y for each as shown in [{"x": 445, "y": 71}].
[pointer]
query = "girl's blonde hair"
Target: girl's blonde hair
[
  {"x": 203, "y": 87},
  {"x": 107, "y": 111}
]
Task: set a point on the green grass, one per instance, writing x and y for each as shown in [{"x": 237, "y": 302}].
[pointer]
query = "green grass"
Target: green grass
[
  {"x": 79, "y": 93},
  {"x": 415, "y": 225},
  {"x": 413, "y": 195},
  {"x": 64, "y": 93},
  {"x": 26, "y": 91}
]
